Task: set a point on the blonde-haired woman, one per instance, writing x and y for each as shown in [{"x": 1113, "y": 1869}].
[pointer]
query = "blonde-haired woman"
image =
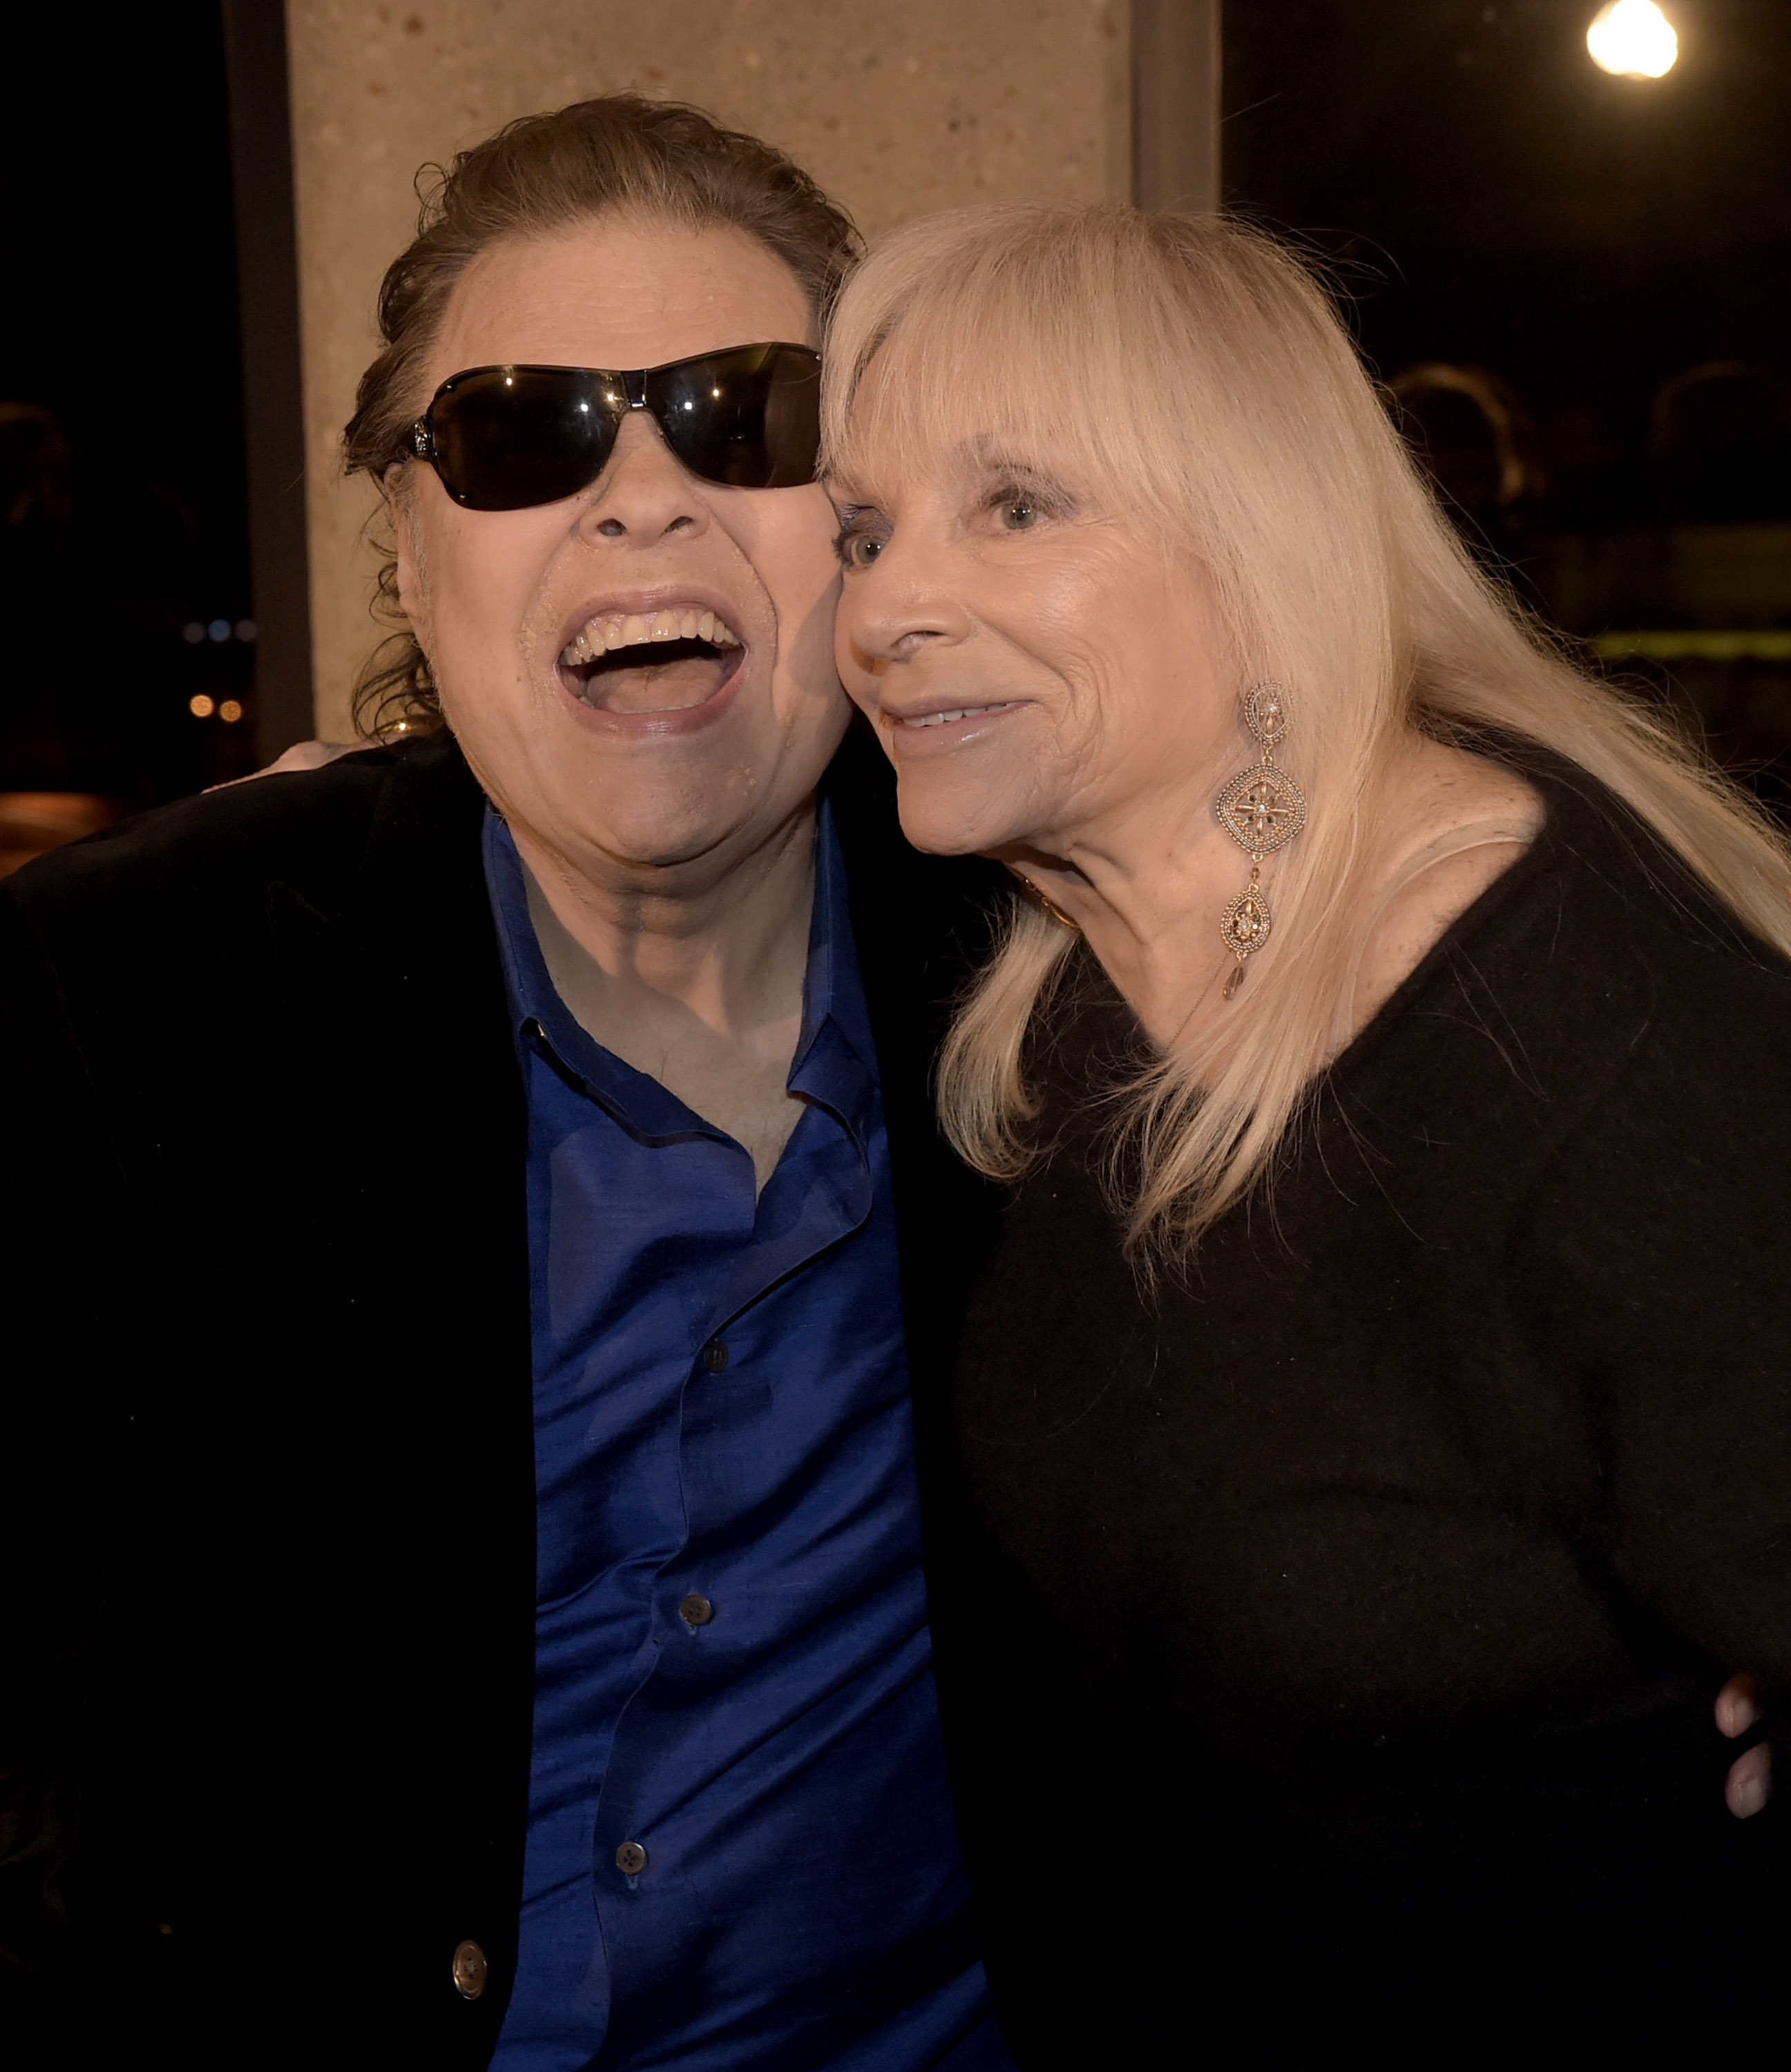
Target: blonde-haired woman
[{"x": 1369, "y": 1433}]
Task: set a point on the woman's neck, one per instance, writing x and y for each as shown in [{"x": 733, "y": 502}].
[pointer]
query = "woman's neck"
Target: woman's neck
[{"x": 1147, "y": 894}]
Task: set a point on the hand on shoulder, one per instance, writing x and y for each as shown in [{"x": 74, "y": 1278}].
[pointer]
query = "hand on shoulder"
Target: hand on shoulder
[{"x": 301, "y": 755}]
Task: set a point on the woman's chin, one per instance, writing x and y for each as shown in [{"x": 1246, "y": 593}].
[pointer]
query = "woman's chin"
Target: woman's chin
[{"x": 941, "y": 821}]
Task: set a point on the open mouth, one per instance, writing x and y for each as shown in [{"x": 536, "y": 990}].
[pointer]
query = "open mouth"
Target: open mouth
[{"x": 661, "y": 661}]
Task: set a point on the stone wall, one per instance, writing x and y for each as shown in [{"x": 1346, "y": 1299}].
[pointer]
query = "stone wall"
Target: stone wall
[{"x": 913, "y": 105}]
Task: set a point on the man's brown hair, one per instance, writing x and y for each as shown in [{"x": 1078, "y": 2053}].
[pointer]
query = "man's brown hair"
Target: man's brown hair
[{"x": 619, "y": 154}]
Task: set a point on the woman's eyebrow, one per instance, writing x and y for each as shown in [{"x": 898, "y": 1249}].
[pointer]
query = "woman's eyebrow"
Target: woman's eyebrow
[
  {"x": 989, "y": 460},
  {"x": 1004, "y": 466},
  {"x": 995, "y": 449},
  {"x": 844, "y": 484}
]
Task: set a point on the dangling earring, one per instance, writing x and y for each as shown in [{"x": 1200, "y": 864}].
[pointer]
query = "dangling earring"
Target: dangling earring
[{"x": 1262, "y": 809}]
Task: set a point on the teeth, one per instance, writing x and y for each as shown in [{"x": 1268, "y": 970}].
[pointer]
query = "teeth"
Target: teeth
[
  {"x": 940, "y": 719},
  {"x": 599, "y": 636}
]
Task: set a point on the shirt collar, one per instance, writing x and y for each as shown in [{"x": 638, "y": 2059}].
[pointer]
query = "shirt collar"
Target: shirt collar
[{"x": 835, "y": 1063}]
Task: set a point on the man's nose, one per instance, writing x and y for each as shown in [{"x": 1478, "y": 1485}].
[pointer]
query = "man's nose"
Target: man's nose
[{"x": 644, "y": 494}]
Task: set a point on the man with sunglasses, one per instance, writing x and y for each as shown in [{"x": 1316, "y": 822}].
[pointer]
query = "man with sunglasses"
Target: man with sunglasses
[{"x": 465, "y": 1537}]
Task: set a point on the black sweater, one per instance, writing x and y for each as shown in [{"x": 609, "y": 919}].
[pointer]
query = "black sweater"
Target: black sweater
[{"x": 1330, "y": 1655}]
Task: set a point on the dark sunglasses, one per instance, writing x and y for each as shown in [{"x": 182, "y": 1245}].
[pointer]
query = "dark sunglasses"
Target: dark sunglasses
[{"x": 504, "y": 439}]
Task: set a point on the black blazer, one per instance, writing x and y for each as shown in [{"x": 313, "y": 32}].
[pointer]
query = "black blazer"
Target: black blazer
[{"x": 267, "y": 1487}]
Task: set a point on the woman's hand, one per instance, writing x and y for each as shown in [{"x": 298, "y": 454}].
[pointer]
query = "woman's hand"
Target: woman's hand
[
  {"x": 1750, "y": 1782},
  {"x": 311, "y": 755},
  {"x": 301, "y": 755}
]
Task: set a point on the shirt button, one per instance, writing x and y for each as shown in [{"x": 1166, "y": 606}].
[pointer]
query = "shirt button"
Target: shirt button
[
  {"x": 715, "y": 1356},
  {"x": 470, "y": 1969},
  {"x": 696, "y": 1610},
  {"x": 631, "y": 1859}
]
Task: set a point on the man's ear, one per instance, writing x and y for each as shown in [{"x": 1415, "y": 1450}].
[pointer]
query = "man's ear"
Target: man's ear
[{"x": 394, "y": 487}]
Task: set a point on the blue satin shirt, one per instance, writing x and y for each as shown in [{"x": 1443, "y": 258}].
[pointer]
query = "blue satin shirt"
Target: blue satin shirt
[{"x": 740, "y": 1849}]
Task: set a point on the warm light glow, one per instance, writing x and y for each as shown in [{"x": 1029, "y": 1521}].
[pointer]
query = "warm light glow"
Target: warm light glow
[
  {"x": 200, "y": 706},
  {"x": 230, "y": 711},
  {"x": 1633, "y": 39}
]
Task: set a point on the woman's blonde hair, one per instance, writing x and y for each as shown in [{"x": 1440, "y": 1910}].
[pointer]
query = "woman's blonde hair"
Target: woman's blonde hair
[{"x": 1190, "y": 373}]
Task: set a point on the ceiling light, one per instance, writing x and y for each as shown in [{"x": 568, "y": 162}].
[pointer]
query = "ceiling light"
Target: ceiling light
[{"x": 1632, "y": 38}]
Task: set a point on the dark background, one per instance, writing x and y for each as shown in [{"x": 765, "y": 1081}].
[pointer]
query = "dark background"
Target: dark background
[
  {"x": 1575, "y": 246},
  {"x": 1613, "y": 256},
  {"x": 118, "y": 256},
  {"x": 1495, "y": 198}
]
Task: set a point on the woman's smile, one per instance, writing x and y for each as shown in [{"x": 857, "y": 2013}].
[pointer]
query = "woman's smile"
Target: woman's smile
[{"x": 936, "y": 725}]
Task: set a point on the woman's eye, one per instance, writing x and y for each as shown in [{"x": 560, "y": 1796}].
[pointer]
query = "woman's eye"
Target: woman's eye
[
  {"x": 858, "y": 550},
  {"x": 1019, "y": 514}
]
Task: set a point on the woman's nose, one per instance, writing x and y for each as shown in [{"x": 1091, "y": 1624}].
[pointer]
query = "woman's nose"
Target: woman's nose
[
  {"x": 644, "y": 493},
  {"x": 903, "y": 604}
]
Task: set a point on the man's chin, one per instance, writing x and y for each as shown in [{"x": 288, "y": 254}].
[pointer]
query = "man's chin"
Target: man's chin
[
  {"x": 649, "y": 794},
  {"x": 655, "y": 822}
]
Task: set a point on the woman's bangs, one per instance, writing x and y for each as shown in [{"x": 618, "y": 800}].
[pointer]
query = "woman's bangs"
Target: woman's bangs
[{"x": 978, "y": 364}]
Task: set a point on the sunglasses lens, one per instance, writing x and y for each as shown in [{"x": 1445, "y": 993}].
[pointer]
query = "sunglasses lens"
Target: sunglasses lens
[
  {"x": 507, "y": 438},
  {"x": 749, "y": 418}
]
